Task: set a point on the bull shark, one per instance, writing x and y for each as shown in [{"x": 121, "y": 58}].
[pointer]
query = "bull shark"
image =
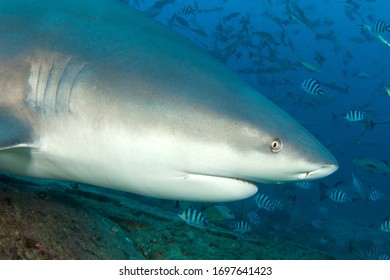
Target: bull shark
[{"x": 95, "y": 92}]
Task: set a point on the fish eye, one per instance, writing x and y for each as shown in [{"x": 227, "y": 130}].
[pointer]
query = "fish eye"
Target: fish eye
[{"x": 276, "y": 145}]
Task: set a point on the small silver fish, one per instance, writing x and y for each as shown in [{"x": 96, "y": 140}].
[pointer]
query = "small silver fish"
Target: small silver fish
[{"x": 386, "y": 88}]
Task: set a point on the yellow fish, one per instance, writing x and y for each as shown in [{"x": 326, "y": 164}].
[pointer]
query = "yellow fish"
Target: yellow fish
[
  {"x": 218, "y": 213},
  {"x": 309, "y": 66}
]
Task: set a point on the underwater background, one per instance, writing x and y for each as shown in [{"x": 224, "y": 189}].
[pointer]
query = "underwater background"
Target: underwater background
[{"x": 324, "y": 62}]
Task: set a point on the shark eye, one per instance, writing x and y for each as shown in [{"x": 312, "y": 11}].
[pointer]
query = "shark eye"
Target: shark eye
[{"x": 276, "y": 145}]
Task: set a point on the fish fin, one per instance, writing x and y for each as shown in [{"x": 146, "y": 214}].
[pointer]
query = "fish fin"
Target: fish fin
[
  {"x": 14, "y": 132},
  {"x": 324, "y": 191},
  {"x": 369, "y": 124}
]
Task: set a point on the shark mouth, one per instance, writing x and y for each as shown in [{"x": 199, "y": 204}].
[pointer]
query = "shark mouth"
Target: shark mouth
[
  {"x": 323, "y": 171},
  {"x": 227, "y": 179},
  {"x": 223, "y": 188}
]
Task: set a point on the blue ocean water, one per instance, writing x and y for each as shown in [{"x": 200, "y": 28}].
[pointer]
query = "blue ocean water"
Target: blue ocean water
[
  {"x": 326, "y": 64},
  {"x": 346, "y": 44}
]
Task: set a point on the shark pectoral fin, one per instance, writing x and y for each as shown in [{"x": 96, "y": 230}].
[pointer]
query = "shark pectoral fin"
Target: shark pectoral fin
[{"x": 14, "y": 132}]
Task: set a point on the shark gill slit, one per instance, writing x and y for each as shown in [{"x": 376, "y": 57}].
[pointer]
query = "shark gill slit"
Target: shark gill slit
[
  {"x": 37, "y": 84},
  {"x": 61, "y": 82},
  {"x": 73, "y": 84},
  {"x": 48, "y": 85}
]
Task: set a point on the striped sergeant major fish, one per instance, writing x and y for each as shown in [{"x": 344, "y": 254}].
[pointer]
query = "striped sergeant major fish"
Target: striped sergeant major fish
[
  {"x": 324, "y": 210},
  {"x": 304, "y": 185},
  {"x": 242, "y": 227},
  {"x": 372, "y": 253},
  {"x": 263, "y": 201},
  {"x": 193, "y": 217},
  {"x": 385, "y": 225},
  {"x": 338, "y": 196},
  {"x": 380, "y": 27},
  {"x": 333, "y": 194},
  {"x": 311, "y": 86},
  {"x": 277, "y": 203},
  {"x": 374, "y": 30},
  {"x": 384, "y": 257},
  {"x": 189, "y": 10},
  {"x": 254, "y": 218},
  {"x": 356, "y": 116},
  {"x": 375, "y": 195},
  {"x": 317, "y": 223}
]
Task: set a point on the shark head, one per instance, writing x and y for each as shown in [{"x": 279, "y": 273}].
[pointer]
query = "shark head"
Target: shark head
[{"x": 127, "y": 104}]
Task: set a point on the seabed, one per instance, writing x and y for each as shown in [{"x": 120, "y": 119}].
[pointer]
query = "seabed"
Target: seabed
[{"x": 62, "y": 221}]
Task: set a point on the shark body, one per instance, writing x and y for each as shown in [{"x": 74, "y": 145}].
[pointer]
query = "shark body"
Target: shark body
[{"x": 95, "y": 92}]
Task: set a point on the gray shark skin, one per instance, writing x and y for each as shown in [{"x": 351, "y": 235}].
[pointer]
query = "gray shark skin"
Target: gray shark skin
[{"x": 95, "y": 92}]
